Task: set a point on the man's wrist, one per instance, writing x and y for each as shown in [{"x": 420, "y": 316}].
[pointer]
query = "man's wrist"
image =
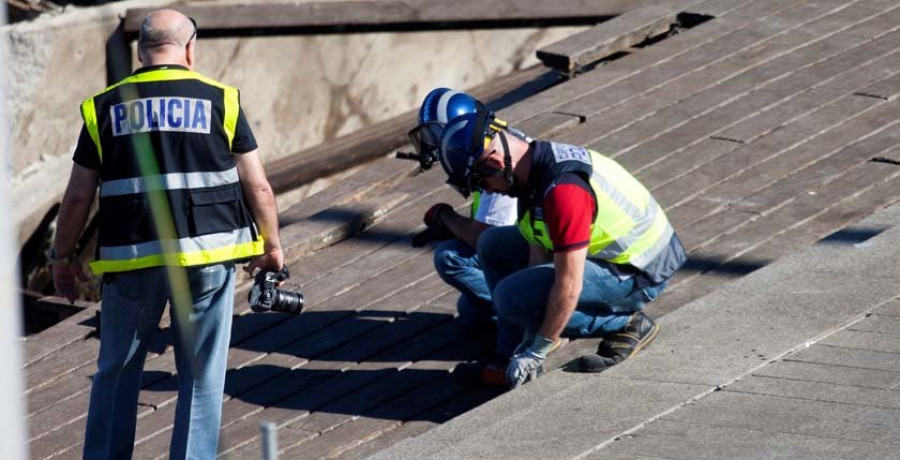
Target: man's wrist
[
  {"x": 541, "y": 346},
  {"x": 55, "y": 258}
]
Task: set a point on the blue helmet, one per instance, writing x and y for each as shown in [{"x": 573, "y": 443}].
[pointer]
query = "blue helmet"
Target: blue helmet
[
  {"x": 444, "y": 104},
  {"x": 462, "y": 143},
  {"x": 440, "y": 106}
]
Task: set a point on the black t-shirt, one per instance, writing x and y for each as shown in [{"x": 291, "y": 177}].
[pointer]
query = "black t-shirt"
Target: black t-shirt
[{"x": 86, "y": 152}]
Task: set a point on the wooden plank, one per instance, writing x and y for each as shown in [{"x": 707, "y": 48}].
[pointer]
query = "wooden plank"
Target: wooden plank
[
  {"x": 64, "y": 333},
  {"x": 547, "y": 125},
  {"x": 339, "y": 361},
  {"x": 80, "y": 404},
  {"x": 648, "y": 92},
  {"x": 398, "y": 356},
  {"x": 772, "y": 165},
  {"x": 835, "y": 217},
  {"x": 372, "y": 179},
  {"x": 701, "y": 190},
  {"x": 165, "y": 369},
  {"x": 735, "y": 15},
  {"x": 373, "y": 142},
  {"x": 810, "y": 182},
  {"x": 421, "y": 423},
  {"x": 806, "y": 206},
  {"x": 351, "y": 395},
  {"x": 718, "y": 269},
  {"x": 331, "y": 225},
  {"x": 61, "y": 443},
  {"x": 313, "y": 333},
  {"x": 720, "y": 84},
  {"x": 610, "y": 37},
  {"x": 738, "y": 98},
  {"x": 59, "y": 364},
  {"x": 764, "y": 107},
  {"x": 78, "y": 383},
  {"x": 383, "y": 419},
  {"x": 305, "y": 380},
  {"x": 385, "y": 15}
]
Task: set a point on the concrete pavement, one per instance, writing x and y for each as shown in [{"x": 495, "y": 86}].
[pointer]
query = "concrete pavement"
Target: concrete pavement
[{"x": 796, "y": 360}]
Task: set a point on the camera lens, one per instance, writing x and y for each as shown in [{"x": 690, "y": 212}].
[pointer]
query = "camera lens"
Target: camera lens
[{"x": 287, "y": 301}]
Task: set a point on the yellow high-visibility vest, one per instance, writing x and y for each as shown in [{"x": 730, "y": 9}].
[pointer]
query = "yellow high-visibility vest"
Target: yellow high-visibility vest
[{"x": 630, "y": 227}]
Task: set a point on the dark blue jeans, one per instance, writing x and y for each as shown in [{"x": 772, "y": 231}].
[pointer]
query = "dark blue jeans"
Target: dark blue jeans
[
  {"x": 133, "y": 304},
  {"x": 520, "y": 292},
  {"x": 457, "y": 264}
]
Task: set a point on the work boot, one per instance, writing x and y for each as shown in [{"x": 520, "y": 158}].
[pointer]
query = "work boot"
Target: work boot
[{"x": 618, "y": 346}]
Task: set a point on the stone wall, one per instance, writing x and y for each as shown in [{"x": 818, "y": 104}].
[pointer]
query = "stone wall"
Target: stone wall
[{"x": 297, "y": 91}]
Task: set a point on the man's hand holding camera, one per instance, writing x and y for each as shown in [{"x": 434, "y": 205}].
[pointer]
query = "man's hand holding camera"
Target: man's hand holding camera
[
  {"x": 265, "y": 295},
  {"x": 271, "y": 260}
]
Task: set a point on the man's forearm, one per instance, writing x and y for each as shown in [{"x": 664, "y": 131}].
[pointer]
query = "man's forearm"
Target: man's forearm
[
  {"x": 261, "y": 202},
  {"x": 560, "y": 305},
  {"x": 563, "y": 299},
  {"x": 74, "y": 209},
  {"x": 73, "y": 214},
  {"x": 464, "y": 229}
]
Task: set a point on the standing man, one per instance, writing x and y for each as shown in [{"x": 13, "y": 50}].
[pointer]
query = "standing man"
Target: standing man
[
  {"x": 183, "y": 197},
  {"x": 592, "y": 246}
]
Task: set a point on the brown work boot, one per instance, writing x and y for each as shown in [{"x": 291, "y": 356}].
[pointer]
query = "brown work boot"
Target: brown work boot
[{"x": 619, "y": 346}]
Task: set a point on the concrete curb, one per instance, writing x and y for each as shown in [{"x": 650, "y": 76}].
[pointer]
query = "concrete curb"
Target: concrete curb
[{"x": 703, "y": 346}]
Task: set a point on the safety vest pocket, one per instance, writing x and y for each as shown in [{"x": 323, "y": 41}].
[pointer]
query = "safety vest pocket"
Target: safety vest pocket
[
  {"x": 138, "y": 227},
  {"x": 215, "y": 210}
]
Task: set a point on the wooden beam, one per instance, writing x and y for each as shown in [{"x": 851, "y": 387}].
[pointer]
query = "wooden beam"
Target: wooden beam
[
  {"x": 611, "y": 37},
  {"x": 381, "y": 138},
  {"x": 385, "y": 15},
  {"x": 118, "y": 56}
]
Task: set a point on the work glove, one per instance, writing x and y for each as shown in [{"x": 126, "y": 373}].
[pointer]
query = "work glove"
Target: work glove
[
  {"x": 435, "y": 231},
  {"x": 433, "y": 216},
  {"x": 527, "y": 362}
]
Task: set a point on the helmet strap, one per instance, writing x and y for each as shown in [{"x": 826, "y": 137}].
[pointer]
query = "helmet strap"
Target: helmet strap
[{"x": 507, "y": 161}]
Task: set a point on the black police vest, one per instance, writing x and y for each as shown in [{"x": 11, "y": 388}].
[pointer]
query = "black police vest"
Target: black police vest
[{"x": 169, "y": 192}]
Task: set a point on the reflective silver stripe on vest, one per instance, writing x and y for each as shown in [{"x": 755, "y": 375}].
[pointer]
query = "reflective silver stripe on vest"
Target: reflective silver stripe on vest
[
  {"x": 644, "y": 259},
  {"x": 195, "y": 244},
  {"x": 172, "y": 181},
  {"x": 643, "y": 219}
]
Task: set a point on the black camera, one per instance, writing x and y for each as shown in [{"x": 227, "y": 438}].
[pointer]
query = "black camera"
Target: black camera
[{"x": 264, "y": 296}]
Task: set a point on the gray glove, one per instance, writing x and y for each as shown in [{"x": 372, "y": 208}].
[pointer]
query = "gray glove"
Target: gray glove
[
  {"x": 527, "y": 362},
  {"x": 524, "y": 368}
]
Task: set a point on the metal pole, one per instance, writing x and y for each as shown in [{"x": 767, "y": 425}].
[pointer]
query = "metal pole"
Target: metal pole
[
  {"x": 13, "y": 425},
  {"x": 269, "y": 441}
]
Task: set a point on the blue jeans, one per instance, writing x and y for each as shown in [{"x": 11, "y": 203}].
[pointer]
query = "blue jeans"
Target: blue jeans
[
  {"x": 133, "y": 304},
  {"x": 521, "y": 292},
  {"x": 457, "y": 264}
]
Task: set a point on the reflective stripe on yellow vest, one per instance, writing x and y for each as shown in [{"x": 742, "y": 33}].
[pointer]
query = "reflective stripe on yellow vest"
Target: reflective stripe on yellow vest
[
  {"x": 630, "y": 227},
  {"x": 201, "y": 197},
  {"x": 476, "y": 202}
]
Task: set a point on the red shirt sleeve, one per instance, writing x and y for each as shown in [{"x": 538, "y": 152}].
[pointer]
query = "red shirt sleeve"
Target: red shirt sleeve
[{"x": 569, "y": 211}]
